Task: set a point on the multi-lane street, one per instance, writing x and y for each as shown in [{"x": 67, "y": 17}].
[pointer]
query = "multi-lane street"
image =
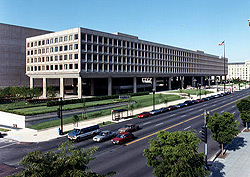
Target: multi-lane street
[{"x": 127, "y": 159}]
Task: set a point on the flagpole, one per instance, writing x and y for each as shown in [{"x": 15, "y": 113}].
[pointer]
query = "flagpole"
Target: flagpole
[{"x": 224, "y": 66}]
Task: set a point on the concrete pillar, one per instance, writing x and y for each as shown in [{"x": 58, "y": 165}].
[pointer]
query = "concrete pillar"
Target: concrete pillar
[
  {"x": 182, "y": 81},
  {"x": 92, "y": 87},
  {"x": 169, "y": 83},
  {"x": 215, "y": 79},
  {"x": 202, "y": 81},
  {"x": 79, "y": 87},
  {"x": 110, "y": 86},
  {"x": 193, "y": 82},
  {"x": 154, "y": 83},
  {"x": 220, "y": 79},
  {"x": 209, "y": 81},
  {"x": 44, "y": 87},
  {"x": 134, "y": 85},
  {"x": 31, "y": 82},
  {"x": 164, "y": 82},
  {"x": 62, "y": 87}
]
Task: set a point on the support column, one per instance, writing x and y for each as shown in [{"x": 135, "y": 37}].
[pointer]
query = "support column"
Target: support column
[
  {"x": 79, "y": 87},
  {"x": 220, "y": 79},
  {"x": 31, "y": 82},
  {"x": 44, "y": 87},
  {"x": 215, "y": 79},
  {"x": 169, "y": 83},
  {"x": 164, "y": 82},
  {"x": 92, "y": 87},
  {"x": 193, "y": 82},
  {"x": 209, "y": 81},
  {"x": 109, "y": 86},
  {"x": 154, "y": 83},
  {"x": 202, "y": 81},
  {"x": 62, "y": 87},
  {"x": 134, "y": 85},
  {"x": 182, "y": 82}
]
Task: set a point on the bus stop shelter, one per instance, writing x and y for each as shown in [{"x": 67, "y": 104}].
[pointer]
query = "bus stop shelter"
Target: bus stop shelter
[{"x": 119, "y": 114}]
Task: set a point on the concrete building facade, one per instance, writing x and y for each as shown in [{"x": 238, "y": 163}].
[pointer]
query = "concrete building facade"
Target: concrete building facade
[
  {"x": 113, "y": 63},
  {"x": 239, "y": 71},
  {"x": 13, "y": 54}
]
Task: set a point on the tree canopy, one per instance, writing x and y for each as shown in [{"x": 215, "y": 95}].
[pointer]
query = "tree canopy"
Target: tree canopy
[
  {"x": 68, "y": 162},
  {"x": 244, "y": 108},
  {"x": 175, "y": 154}
]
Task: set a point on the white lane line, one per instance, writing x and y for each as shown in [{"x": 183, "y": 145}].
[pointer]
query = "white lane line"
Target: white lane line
[
  {"x": 201, "y": 109},
  {"x": 223, "y": 101},
  {"x": 172, "y": 115},
  {"x": 191, "y": 109},
  {"x": 6, "y": 145},
  {"x": 222, "y": 111},
  {"x": 187, "y": 127},
  {"x": 205, "y": 105},
  {"x": 184, "y": 116},
  {"x": 146, "y": 123},
  {"x": 158, "y": 124},
  {"x": 234, "y": 112},
  {"x": 214, "y": 105}
]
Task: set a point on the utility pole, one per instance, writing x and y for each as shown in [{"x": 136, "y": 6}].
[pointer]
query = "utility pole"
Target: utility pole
[
  {"x": 204, "y": 135},
  {"x": 224, "y": 67},
  {"x": 59, "y": 114}
]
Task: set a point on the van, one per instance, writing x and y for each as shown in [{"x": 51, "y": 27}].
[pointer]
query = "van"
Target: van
[{"x": 80, "y": 133}]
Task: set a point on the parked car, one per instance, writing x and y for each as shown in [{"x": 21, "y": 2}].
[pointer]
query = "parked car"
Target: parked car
[
  {"x": 104, "y": 135},
  {"x": 199, "y": 100},
  {"x": 212, "y": 97},
  {"x": 194, "y": 101},
  {"x": 1, "y": 135},
  {"x": 156, "y": 111},
  {"x": 172, "y": 107},
  {"x": 83, "y": 132},
  {"x": 188, "y": 102},
  {"x": 143, "y": 115},
  {"x": 204, "y": 99},
  {"x": 164, "y": 109},
  {"x": 180, "y": 105},
  {"x": 122, "y": 138},
  {"x": 129, "y": 128}
]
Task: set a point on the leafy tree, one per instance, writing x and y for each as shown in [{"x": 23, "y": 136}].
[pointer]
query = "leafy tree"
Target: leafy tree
[
  {"x": 160, "y": 98},
  {"x": 223, "y": 128},
  {"x": 76, "y": 120},
  {"x": 175, "y": 154},
  {"x": 244, "y": 108},
  {"x": 35, "y": 92},
  {"x": 51, "y": 91},
  {"x": 131, "y": 107},
  {"x": 166, "y": 101},
  {"x": 69, "y": 161}
]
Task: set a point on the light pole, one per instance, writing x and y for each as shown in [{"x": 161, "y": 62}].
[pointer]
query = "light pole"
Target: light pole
[
  {"x": 153, "y": 99},
  {"x": 204, "y": 135}
]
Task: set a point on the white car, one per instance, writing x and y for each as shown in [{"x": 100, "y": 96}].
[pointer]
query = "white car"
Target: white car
[{"x": 104, "y": 135}]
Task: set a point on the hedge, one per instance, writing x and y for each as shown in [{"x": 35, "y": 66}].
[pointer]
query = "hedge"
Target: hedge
[{"x": 82, "y": 100}]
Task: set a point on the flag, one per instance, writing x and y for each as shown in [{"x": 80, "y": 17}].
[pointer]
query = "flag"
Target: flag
[{"x": 221, "y": 43}]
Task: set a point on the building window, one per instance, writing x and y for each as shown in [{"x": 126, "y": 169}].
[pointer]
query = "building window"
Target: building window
[
  {"x": 51, "y": 67},
  {"x": 56, "y": 40},
  {"x": 60, "y": 67},
  {"x": 60, "y": 57},
  {"x": 70, "y": 37},
  {"x": 56, "y": 58},
  {"x": 71, "y": 47},
  {"x": 51, "y": 41},
  {"x": 70, "y": 66},
  {"x": 51, "y": 58},
  {"x": 65, "y": 57},
  {"x": 65, "y": 48},
  {"x": 76, "y": 46},
  {"x": 47, "y": 41},
  {"x": 56, "y": 49},
  {"x": 60, "y": 39},
  {"x": 61, "y": 48},
  {"x": 51, "y": 49},
  {"x": 43, "y": 42},
  {"x": 76, "y": 66},
  {"x": 65, "y": 66},
  {"x": 65, "y": 38},
  {"x": 70, "y": 56},
  {"x": 28, "y": 44},
  {"x": 76, "y": 56},
  {"x": 76, "y": 36},
  {"x": 56, "y": 67}
]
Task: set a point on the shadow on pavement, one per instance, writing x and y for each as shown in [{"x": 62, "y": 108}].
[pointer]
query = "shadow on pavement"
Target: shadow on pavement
[
  {"x": 236, "y": 144},
  {"x": 216, "y": 169}
]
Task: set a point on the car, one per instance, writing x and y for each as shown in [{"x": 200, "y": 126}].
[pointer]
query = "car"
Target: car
[
  {"x": 188, "y": 102},
  {"x": 129, "y": 128},
  {"x": 164, "y": 109},
  {"x": 156, "y": 111},
  {"x": 212, "y": 97},
  {"x": 218, "y": 95},
  {"x": 194, "y": 101},
  {"x": 199, "y": 100},
  {"x": 143, "y": 115},
  {"x": 1, "y": 135},
  {"x": 172, "y": 107},
  {"x": 122, "y": 138},
  {"x": 180, "y": 105},
  {"x": 104, "y": 135},
  {"x": 204, "y": 99}
]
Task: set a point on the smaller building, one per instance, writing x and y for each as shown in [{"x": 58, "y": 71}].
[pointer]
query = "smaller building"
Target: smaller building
[{"x": 239, "y": 71}]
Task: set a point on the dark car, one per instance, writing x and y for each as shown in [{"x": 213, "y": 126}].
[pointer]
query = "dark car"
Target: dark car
[
  {"x": 164, "y": 109},
  {"x": 143, "y": 115},
  {"x": 122, "y": 138},
  {"x": 188, "y": 102},
  {"x": 1, "y": 135},
  {"x": 204, "y": 99},
  {"x": 180, "y": 105},
  {"x": 212, "y": 97},
  {"x": 154, "y": 112},
  {"x": 195, "y": 101},
  {"x": 172, "y": 107},
  {"x": 129, "y": 128}
]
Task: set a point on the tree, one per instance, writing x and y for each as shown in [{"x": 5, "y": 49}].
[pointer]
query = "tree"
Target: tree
[
  {"x": 69, "y": 161},
  {"x": 75, "y": 120},
  {"x": 223, "y": 128},
  {"x": 51, "y": 91},
  {"x": 166, "y": 101},
  {"x": 175, "y": 154},
  {"x": 160, "y": 98},
  {"x": 131, "y": 107},
  {"x": 244, "y": 108}
]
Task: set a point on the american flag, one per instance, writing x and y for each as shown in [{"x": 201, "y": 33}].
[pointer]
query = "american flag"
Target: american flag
[{"x": 221, "y": 43}]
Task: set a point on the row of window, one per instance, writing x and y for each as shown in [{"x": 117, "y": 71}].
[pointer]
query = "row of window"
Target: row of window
[
  {"x": 53, "y": 58},
  {"x": 52, "y": 67},
  {"x": 53, "y": 49},
  {"x": 53, "y": 40}
]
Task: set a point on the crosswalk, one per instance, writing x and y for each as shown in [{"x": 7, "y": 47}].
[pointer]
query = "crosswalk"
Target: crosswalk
[{"x": 4, "y": 143}]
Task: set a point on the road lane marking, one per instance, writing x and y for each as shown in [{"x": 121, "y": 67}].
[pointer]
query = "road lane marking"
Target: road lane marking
[
  {"x": 158, "y": 124},
  {"x": 7, "y": 145},
  {"x": 175, "y": 125},
  {"x": 187, "y": 127},
  {"x": 172, "y": 115},
  {"x": 222, "y": 111},
  {"x": 191, "y": 109},
  {"x": 201, "y": 109},
  {"x": 223, "y": 101},
  {"x": 146, "y": 123},
  {"x": 214, "y": 105},
  {"x": 184, "y": 116}
]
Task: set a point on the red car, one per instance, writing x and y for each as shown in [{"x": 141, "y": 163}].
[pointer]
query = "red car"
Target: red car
[
  {"x": 143, "y": 115},
  {"x": 199, "y": 100},
  {"x": 122, "y": 138}
]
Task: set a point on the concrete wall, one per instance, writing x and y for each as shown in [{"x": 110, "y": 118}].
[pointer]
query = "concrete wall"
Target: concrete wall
[
  {"x": 9, "y": 119},
  {"x": 13, "y": 54}
]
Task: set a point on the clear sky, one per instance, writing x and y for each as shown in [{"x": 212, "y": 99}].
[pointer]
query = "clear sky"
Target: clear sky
[{"x": 190, "y": 24}]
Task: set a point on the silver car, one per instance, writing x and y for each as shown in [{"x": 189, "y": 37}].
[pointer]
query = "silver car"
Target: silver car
[{"x": 104, "y": 135}]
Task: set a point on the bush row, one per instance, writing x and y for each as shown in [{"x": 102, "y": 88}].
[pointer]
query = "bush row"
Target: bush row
[
  {"x": 82, "y": 100},
  {"x": 43, "y": 100}
]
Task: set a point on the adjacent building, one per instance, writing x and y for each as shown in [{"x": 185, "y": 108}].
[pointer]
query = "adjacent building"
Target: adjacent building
[
  {"x": 97, "y": 62},
  {"x": 13, "y": 54},
  {"x": 240, "y": 70}
]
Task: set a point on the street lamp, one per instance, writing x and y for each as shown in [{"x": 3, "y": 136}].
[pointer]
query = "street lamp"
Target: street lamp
[
  {"x": 200, "y": 90},
  {"x": 153, "y": 99}
]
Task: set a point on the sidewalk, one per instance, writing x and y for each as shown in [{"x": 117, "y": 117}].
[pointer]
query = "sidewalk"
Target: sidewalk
[{"x": 30, "y": 135}]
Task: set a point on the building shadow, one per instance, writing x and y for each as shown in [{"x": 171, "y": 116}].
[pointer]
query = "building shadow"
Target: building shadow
[
  {"x": 216, "y": 169},
  {"x": 236, "y": 144}
]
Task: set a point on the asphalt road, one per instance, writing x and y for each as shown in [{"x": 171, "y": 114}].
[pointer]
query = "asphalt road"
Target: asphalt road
[{"x": 127, "y": 159}]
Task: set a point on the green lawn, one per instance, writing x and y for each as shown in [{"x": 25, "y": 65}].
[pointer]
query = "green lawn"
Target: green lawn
[
  {"x": 142, "y": 101},
  {"x": 192, "y": 91},
  {"x": 18, "y": 105},
  {"x": 4, "y": 130}
]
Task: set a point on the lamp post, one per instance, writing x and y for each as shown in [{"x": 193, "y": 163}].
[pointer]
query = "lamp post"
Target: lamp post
[
  {"x": 206, "y": 116},
  {"x": 153, "y": 99},
  {"x": 200, "y": 90}
]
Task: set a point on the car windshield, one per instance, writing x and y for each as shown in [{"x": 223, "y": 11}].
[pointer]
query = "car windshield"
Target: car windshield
[
  {"x": 120, "y": 136},
  {"x": 102, "y": 133},
  {"x": 127, "y": 126},
  {"x": 76, "y": 131}
]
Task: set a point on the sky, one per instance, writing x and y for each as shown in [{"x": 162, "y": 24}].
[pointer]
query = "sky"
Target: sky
[{"x": 189, "y": 24}]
